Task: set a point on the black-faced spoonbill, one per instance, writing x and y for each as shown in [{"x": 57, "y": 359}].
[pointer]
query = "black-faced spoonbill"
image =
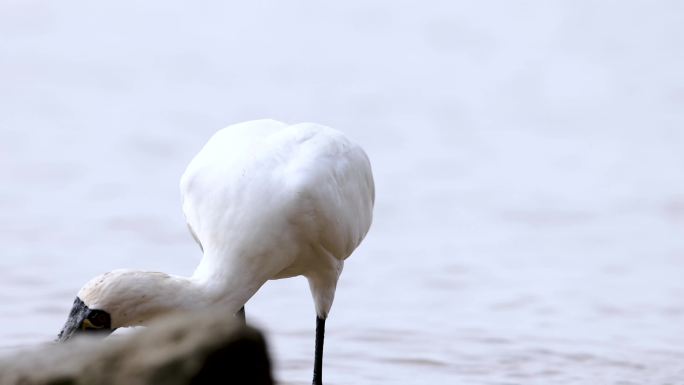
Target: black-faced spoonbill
[{"x": 264, "y": 200}]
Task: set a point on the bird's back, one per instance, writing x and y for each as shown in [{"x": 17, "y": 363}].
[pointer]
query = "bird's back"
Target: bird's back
[{"x": 282, "y": 193}]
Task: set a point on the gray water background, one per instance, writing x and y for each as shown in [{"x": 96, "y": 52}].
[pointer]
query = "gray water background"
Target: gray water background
[{"x": 528, "y": 156}]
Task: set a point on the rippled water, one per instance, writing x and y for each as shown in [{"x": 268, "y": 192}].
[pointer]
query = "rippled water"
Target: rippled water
[{"x": 528, "y": 158}]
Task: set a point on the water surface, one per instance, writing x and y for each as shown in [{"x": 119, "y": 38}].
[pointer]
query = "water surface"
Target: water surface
[{"x": 529, "y": 226}]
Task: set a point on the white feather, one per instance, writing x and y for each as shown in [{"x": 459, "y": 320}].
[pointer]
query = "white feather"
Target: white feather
[
  {"x": 268, "y": 200},
  {"x": 265, "y": 200}
]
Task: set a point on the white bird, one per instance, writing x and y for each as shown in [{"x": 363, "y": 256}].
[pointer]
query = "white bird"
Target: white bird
[{"x": 264, "y": 200}]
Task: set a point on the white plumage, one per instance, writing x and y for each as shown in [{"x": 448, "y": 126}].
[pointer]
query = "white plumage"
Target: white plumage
[
  {"x": 265, "y": 200},
  {"x": 268, "y": 200}
]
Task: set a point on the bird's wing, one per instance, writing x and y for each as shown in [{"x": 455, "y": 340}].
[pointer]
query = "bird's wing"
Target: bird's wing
[
  {"x": 334, "y": 188},
  {"x": 283, "y": 194},
  {"x": 216, "y": 166}
]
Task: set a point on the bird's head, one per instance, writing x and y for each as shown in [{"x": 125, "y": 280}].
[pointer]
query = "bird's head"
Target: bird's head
[
  {"x": 83, "y": 319},
  {"x": 97, "y": 307},
  {"x": 116, "y": 299}
]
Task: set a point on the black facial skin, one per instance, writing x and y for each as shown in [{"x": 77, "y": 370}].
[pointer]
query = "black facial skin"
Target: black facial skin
[{"x": 85, "y": 320}]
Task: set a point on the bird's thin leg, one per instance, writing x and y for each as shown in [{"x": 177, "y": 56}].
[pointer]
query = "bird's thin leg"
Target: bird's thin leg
[
  {"x": 241, "y": 315},
  {"x": 318, "y": 360}
]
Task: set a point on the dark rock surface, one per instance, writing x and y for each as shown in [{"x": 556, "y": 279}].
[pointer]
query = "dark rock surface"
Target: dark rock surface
[{"x": 201, "y": 348}]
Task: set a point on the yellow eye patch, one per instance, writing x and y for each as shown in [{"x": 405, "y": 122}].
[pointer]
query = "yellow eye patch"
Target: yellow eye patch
[{"x": 89, "y": 325}]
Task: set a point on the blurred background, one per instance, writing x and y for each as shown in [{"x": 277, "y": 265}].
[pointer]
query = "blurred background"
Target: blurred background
[{"x": 528, "y": 156}]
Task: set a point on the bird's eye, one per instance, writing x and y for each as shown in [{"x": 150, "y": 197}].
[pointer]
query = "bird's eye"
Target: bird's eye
[{"x": 98, "y": 318}]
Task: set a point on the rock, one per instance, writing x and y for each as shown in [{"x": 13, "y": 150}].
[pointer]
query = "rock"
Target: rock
[{"x": 201, "y": 348}]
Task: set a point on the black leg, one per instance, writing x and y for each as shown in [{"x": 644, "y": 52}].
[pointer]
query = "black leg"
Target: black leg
[
  {"x": 241, "y": 315},
  {"x": 318, "y": 360}
]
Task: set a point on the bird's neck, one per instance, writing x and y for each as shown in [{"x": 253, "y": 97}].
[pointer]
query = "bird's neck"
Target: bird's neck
[
  {"x": 143, "y": 296},
  {"x": 227, "y": 289},
  {"x": 230, "y": 280},
  {"x": 150, "y": 294}
]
